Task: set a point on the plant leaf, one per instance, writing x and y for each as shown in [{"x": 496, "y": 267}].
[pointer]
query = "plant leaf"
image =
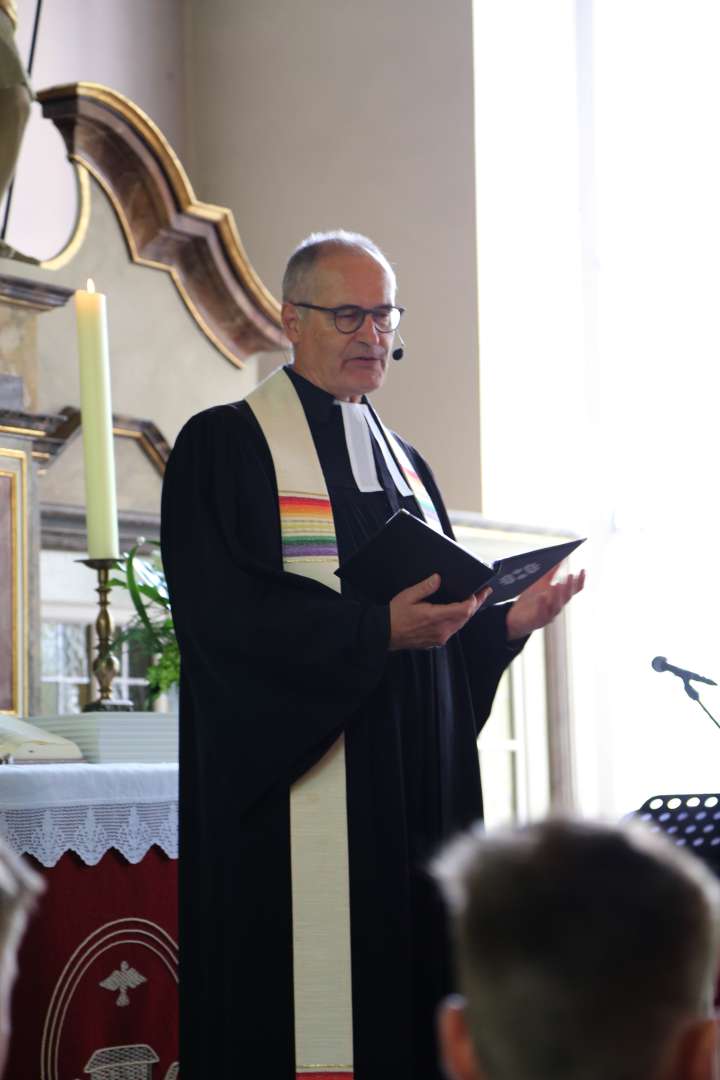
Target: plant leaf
[{"x": 135, "y": 594}]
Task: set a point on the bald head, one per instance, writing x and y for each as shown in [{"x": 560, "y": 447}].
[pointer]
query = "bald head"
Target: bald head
[{"x": 298, "y": 280}]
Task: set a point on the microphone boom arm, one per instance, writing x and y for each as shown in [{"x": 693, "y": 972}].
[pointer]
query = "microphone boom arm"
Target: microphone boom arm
[{"x": 659, "y": 663}]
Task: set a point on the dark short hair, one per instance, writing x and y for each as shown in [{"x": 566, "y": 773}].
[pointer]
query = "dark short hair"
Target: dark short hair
[
  {"x": 313, "y": 247},
  {"x": 580, "y": 948}
]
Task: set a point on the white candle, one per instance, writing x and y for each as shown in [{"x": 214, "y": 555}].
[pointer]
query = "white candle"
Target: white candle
[{"x": 96, "y": 407}]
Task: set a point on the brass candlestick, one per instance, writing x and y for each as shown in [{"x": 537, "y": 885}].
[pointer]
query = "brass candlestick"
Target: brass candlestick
[{"x": 105, "y": 665}]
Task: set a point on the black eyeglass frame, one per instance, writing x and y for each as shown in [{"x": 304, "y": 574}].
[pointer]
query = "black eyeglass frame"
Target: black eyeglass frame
[{"x": 361, "y": 312}]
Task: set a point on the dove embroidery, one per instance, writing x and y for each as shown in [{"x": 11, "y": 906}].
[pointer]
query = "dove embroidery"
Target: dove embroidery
[{"x": 124, "y": 979}]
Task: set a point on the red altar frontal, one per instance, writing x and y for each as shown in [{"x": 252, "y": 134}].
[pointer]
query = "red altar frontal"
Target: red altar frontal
[{"x": 97, "y": 993}]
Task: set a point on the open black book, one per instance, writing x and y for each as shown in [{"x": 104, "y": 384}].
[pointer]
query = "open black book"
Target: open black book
[{"x": 407, "y": 550}]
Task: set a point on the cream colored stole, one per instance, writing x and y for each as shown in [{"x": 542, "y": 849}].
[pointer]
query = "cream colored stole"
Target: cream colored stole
[
  {"x": 318, "y": 804},
  {"x": 318, "y": 807}
]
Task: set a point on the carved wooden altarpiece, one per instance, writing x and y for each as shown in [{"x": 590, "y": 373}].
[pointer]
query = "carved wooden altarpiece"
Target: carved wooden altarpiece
[
  {"x": 18, "y": 579},
  {"x": 166, "y": 227}
]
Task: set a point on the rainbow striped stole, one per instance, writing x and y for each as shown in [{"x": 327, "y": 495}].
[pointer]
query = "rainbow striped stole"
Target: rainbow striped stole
[
  {"x": 318, "y": 802},
  {"x": 307, "y": 528},
  {"x": 416, "y": 485},
  {"x": 322, "y": 982}
]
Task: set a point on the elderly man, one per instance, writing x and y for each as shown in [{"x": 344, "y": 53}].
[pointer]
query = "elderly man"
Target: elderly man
[
  {"x": 328, "y": 744},
  {"x": 584, "y": 953}
]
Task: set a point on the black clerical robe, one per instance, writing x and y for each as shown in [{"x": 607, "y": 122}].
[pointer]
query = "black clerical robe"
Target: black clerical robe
[{"x": 274, "y": 667}]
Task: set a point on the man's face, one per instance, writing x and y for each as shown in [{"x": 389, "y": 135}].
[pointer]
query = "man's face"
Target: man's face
[{"x": 346, "y": 365}]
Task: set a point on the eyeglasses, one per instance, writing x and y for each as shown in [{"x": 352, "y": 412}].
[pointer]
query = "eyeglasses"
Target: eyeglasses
[{"x": 350, "y": 318}]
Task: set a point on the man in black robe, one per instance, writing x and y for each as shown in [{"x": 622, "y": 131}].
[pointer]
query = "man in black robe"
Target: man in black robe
[{"x": 276, "y": 666}]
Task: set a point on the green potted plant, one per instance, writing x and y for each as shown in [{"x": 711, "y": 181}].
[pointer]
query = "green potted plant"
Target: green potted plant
[{"x": 151, "y": 631}]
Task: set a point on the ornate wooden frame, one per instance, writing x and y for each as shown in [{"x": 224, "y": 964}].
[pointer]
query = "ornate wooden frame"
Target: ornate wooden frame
[
  {"x": 14, "y": 468},
  {"x": 164, "y": 224},
  {"x": 35, "y": 295},
  {"x": 50, "y": 433},
  {"x": 46, "y": 435}
]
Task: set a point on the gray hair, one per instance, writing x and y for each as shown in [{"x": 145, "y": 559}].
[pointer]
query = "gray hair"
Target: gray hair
[
  {"x": 305, "y": 256},
  {"x": 19, "y": 888},
  {"x": 580, "y": 948}
]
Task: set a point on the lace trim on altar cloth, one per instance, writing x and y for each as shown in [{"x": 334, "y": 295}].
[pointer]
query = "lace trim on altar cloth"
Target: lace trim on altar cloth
[{"x": 90, "y": 831}]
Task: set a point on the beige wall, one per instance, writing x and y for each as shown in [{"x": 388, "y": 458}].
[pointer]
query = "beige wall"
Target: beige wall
[
  {"x": 298, "y": 116},
  {"x": 163, "y": 368},
  {"x": 318, "y": 114},
  {"x": 134, "y": 46}
]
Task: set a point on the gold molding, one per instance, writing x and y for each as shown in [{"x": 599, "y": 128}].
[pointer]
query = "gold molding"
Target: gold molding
[
  {"x": 21, "y": 604},
  {"x": 146, "y": 445},
  {"x": 13, "y": 478},
  {"x": 62, "y": 427},
  {"x": 140, "y": 122},
  {"x": 164, "y": 224},
  {"x": 80, "y": 226},
  {"x": 14, "y": 302},
  {"x": 153, "y": 264},
  {"x": 8, "y": 429},
  {"x": 32, "y": 295}
]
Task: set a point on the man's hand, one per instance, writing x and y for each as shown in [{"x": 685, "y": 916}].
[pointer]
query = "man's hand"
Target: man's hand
[
  {"x": 417, "y": 624},
  {"x": 539, "y": 604}
]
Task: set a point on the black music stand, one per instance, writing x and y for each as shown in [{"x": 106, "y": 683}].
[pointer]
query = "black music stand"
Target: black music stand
[{"x": 690, "y": 821}]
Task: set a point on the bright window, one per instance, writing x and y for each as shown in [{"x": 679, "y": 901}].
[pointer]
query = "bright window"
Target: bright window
[{"x": 598, "y": 230}]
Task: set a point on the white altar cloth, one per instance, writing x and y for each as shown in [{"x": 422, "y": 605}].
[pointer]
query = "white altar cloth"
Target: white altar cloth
[{"x": 46, "y": 810}]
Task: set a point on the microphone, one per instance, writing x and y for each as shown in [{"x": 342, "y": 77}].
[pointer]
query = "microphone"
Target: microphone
[
  {"x": 660, "y": 664},
  {"x": 397, "y": 354}
]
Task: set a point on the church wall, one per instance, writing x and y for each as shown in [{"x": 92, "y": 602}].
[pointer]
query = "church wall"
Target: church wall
[
  {"x": 324, "y": 114},
  {"x": 162, "y": 366},
  {"x": 297, "y": 117},
  {"x": 135, "y": 47}
]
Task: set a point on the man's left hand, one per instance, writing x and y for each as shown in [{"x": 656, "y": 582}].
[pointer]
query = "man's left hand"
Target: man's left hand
[{"x": 539, "y": 604}]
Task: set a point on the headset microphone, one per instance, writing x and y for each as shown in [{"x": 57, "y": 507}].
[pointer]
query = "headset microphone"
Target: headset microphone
[{"x": 397, "y": 354}]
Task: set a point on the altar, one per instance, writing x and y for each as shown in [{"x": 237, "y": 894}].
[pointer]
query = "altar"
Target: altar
[{"x": 97, "y": 991}]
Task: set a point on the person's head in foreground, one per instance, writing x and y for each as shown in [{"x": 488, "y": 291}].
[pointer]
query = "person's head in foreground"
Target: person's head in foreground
[
  {"x": 19, "y": 886},
  {"x": 583, "y": 952},
  {"x": 339, "y": 312}
]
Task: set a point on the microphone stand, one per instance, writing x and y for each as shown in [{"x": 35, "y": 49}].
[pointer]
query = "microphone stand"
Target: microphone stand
[{"x": 693, "y": 694}]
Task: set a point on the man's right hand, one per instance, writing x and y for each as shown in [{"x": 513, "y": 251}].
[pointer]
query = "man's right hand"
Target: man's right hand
[{"x": 417, "y": 624}]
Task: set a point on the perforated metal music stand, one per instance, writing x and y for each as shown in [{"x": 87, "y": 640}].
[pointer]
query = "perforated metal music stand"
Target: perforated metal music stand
[{"x": 690, "y": 821}]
